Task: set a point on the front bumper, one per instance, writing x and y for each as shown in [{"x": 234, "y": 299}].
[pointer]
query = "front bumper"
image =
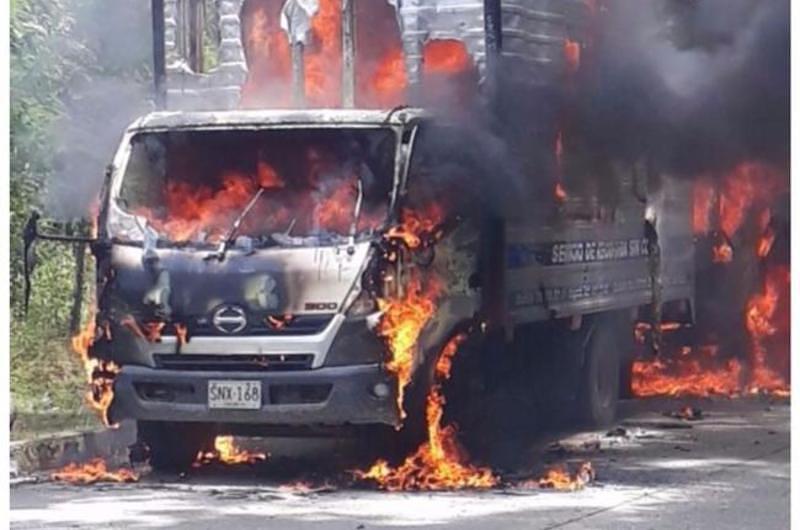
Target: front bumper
[{"x": 333, "y": 396}]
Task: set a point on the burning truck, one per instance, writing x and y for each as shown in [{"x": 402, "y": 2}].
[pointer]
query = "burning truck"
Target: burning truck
[{"x": 280, "y": 251}]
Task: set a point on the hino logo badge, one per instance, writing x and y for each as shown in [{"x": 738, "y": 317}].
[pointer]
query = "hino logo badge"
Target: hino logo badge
[{"x": 229, "y": 319}]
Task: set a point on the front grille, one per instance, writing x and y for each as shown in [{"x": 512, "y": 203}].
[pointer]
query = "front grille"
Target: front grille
[
  {"x": 258, "y": 325},
  {"x": 234, "y": 363},
  {"x": 299, "y": 394}
]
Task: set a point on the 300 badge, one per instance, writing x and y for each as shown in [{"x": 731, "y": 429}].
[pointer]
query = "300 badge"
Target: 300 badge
[{"x": 321, "y": 306}]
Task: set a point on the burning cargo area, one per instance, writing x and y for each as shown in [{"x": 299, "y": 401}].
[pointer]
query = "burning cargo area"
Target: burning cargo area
[{"x": 435, "y": 246}]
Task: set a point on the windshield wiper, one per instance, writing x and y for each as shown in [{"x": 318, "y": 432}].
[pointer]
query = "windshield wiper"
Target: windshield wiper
[
  {"x": 226, "y": 242},
  {"x": 357, "y": 211}
]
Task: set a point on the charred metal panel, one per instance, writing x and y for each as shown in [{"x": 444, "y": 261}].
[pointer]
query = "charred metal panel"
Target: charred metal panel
[
  {"x": 592, "y": 266},
  {"x": 316, "y": 118}
]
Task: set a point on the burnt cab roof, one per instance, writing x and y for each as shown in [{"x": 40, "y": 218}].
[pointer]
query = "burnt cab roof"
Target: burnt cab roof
[{"x": 249, "y": 119}]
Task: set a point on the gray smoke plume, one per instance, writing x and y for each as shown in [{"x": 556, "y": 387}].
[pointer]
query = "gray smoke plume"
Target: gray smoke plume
[{"x": 99, "y": 104}]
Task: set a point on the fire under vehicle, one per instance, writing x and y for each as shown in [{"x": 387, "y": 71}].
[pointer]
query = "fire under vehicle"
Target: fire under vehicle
[{"x": 245, "y": 257}]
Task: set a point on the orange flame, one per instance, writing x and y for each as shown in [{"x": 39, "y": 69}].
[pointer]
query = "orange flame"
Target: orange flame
[
  {"x": 722, "y": 253},
  {"x": 382, "y": 77},
  {"x": 226, "y": 452},
  {"x": 193, "y": 210},
  {"x": 765, "y": 243},
  {"x": 99, "y": 373},
  {"x": 279, "y": 322},
  {"x": 697, "y": 375},
  {"x": 401, "y": 325},
  {"x": 181, "y": 333},
  {"x": 704, "y": 196},
  {"x": 760, "y": 320},
  {"x": 572, "y": 56},
  {"x": 198, "y": 212},
  {"x": 748, "y": 184},
  {"x": 149, "y": 331},
  {"x": 559, "y": 478},
  {"x": 389, "y": 81},
  {"x": 445, "y": 57},
  {"x": 560, "y": 192},
  {"x": 323, "y": 58},
  {"x": 416, "y": 225},
  {"x": 642, "y": 328},
  {"x": 268, "y": 58},
  {"x": 439, "y": 463},
  {"x": 93, "y": 471}
]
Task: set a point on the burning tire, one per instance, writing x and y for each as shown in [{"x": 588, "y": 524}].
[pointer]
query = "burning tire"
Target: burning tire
[
  {"x": 174, "y": 446},
  {"x": 599, "y": 382}
]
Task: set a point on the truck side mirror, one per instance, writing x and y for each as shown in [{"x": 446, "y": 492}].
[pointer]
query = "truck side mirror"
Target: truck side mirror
[{"x": 30, "y": 234}]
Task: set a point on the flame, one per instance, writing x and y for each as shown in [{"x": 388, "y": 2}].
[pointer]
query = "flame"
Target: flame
[
  {"x": 416, "y": 226},
  {"x": 279, "y": 322},
  {"x": 765, "y": 243},
  {"x": 703, "y": 199},
  {"x": 560, "y": 192},
  {"x": 269, "y": 60},
  {"x": 400, "y": 326},
  {"x": 445, "y": 56},
  {"x": 226, "y": 452},
  {"x": 323, "y": 58},
  {"x": 722, "y": 253},
  {"x": 747, "y": 184},
  {"x": 572, "y": 56},
  {"x": 700, "y": 373},
  {"x": 687, "y": 412},
  {"x": 439, "y": 463},
  {"x": 181, "y": 333},
  {"x": 149, "y": 331},
  {"x": 696, "y": 374},
  {"x": 642, "y": 328},
  {"x": 559, "y": 478},
  {"x": 100, "y": 373},
  {"x": 389, "y": 80},
  {"x": 93, "y": 471},
  {"x": 195, "y": 211},
  {"x": 382, "y": 78},
  {"x": 761, "y": 324},
  {"x": 337, "y": 209}
]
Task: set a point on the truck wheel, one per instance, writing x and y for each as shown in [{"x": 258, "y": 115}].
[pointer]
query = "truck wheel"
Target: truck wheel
[
  {"x": 174, "y": 446},
  {"x": 598, "y": 393}
]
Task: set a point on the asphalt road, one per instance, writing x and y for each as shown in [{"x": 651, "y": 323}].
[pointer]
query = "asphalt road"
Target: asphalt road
[{"x": 729, "y": 469}]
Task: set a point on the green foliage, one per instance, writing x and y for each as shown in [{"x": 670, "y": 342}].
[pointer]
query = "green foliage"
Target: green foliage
[{"x": 52, "y": 47}]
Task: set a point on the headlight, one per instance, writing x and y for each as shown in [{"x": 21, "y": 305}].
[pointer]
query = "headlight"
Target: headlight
[{"x": 363, "y": 305}]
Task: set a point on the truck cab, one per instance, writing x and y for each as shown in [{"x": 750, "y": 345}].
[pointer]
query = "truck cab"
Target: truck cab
[{"x": 241, "y": 257}]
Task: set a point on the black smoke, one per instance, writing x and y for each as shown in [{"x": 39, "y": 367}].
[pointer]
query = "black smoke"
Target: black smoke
[{"x": 693, "y": 86}]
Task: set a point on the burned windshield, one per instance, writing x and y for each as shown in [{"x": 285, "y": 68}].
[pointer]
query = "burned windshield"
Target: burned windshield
[{"x": 191, "y": 186}]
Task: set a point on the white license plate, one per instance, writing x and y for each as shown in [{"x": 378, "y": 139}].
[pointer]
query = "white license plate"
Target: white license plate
[{"x": 234, "y": 394}]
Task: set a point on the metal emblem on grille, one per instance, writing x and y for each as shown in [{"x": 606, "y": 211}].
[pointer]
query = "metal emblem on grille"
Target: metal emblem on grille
[{"x": 229, "y": 319}]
